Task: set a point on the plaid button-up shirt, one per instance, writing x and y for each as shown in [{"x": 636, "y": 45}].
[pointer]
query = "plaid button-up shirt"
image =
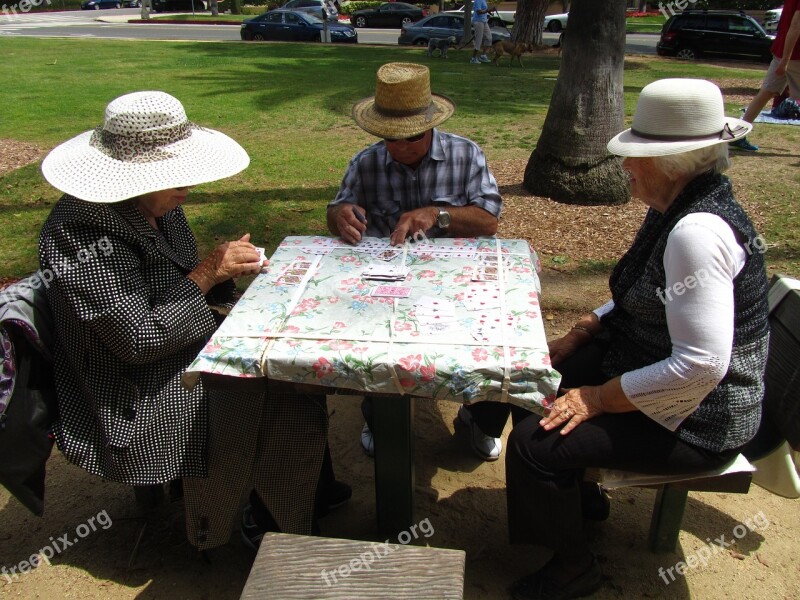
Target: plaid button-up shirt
[{"x": 453, "y": 173}]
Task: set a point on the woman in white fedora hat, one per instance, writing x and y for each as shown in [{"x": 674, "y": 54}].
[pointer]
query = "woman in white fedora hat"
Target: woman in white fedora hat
[
  {"x": 132, "y": 304},
  {"x": 667, "y": 377}
]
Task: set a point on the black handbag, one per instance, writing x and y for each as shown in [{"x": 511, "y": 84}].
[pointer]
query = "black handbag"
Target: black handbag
[{"x": 25, "y": 440}]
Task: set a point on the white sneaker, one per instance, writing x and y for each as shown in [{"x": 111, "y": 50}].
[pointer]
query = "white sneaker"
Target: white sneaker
[
  {"x": 367, "y": 441},
  {"x": 484, "y": 58},
  {"x": 485, "y": 447},
  {"x": 474, "y": 60}
]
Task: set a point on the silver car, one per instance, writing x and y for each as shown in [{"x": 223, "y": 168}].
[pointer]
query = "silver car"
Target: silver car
[
  {"x": 771, "y": 18},
  {"x": 315, "y": 7}
]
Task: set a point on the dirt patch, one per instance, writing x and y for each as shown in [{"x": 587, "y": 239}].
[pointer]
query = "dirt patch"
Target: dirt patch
[{"x": 15, "y": 154}]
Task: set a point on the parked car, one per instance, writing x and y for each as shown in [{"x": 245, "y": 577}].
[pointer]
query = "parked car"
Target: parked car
[
  {"x": 283, "y": 25},
  {"x": 131, "y": 3},
  {"x": 178, "y": 5},
  {"x": 319, "y": 8},
  {"x": 693, "y": 33},
  {"x": 442, "y": 25},
  {"x": 556, "y": 23},
  {"x": 771, "y": 18},
  {"x": 501, "y": 18},
  {"x": 388, "y": 14},
  {"x": 98, "y": 4}
]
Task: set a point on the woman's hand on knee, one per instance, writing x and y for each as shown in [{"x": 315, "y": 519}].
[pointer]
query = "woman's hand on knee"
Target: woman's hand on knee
[{"x": 573, "y": 408}]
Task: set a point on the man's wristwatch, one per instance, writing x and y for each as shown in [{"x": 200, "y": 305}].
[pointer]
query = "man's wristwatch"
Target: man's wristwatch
[{"x": 443, "y": 220}]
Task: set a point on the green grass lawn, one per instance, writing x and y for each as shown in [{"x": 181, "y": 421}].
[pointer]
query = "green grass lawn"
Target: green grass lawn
[{"x": 287, "y": 104}]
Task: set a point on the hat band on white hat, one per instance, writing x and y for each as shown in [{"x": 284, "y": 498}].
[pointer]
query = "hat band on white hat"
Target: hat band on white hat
[
  {"x": 726, "y": 134},
  {"x": 428, "y": 111},
  {"x": 140, "y": 146}
]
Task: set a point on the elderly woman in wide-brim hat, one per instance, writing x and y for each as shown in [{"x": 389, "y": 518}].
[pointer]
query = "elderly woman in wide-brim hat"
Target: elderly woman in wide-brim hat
[
  {"x": 132, "y": 305},
  {"x": 667, "y": 377}
]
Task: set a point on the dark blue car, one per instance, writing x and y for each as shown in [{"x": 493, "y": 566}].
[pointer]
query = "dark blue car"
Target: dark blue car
[
  {"x": 98, "y": 4},
  {"x": 294, "y": 26}
]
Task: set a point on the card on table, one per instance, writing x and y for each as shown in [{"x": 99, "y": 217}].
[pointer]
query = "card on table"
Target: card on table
[{"x": 391, "y": 291}]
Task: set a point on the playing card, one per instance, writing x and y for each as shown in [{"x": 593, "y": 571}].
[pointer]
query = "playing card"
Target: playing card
[
  {"x": 289, "y": 280},
  {"x": 487, "y": 328},
  {"x": 391, "y": 291},
  {"x": 482, "y": 297},
  {"x": 384, "y": 272},
  {"x": 485, "y": 274},
  {"x": 389, "y": 254}
]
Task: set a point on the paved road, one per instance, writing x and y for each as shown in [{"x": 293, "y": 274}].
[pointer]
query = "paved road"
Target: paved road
[{"x": 83, "y": 24}]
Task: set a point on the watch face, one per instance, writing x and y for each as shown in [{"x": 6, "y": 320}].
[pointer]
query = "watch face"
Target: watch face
[{"x": 444, "y": 219}]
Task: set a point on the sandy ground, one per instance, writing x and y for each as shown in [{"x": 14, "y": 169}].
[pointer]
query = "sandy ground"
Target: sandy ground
[{"x": 462, "y": 498}]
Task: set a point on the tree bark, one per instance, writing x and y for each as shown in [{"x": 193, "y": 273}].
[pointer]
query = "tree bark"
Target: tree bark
[
  {"x": 236, "y": 7},
  {"x": 466, "y": 37},
  {"x": 214, "y": 8},
  {"x": 528, "y": 21},
  {"x": 570, "y": 163}
]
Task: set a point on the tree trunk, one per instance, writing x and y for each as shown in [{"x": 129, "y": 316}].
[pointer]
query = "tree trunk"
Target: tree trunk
[
  {"x": 466, "y": 38},
  {"x": 145, "y": 10},
  {"x": 528, "y": 21},
  {"x": 214, "y": 8},
  {"x": 236, "y": 7},
  {"x": 642, "y": 5},
  {"x": 570, "y": 162}
]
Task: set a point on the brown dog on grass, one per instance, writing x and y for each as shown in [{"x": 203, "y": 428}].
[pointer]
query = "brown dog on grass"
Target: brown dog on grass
[{"x": 512, "y": 49}]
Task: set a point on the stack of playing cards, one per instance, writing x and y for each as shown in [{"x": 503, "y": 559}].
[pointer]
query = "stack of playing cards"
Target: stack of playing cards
[
  {"x": 488, "y": 269},
  {"x": 435, "y": 315},
  {"x": 384, "y": 272},
  {"x": 294, "y": 273}
]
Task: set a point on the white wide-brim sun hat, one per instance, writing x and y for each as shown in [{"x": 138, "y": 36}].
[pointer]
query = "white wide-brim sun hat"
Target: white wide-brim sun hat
[
  {"x": 678, "y": 115},
  {"x": 146, "y": 144}
]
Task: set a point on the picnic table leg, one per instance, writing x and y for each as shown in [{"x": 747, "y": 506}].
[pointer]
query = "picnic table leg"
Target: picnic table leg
[
  {"x": 393, "y": 420},
  {"x": 665, "y": 524}
]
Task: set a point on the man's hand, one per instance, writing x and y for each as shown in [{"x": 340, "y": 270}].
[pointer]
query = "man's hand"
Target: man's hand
[
  {"x": 228, "y": 260},
  {"x": 420, "y": 219},
  {"x": 348, "y": 221}
]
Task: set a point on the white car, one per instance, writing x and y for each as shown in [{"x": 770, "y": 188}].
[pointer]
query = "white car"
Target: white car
[
  {"x": 556, "y": 23},
  {"x": 507, "y": 16},
  {"x": 771, "y": 18}
]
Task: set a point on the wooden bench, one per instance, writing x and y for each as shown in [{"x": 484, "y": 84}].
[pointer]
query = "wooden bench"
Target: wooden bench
[
  {"x": 782, "y": 383},
  {"x": 290, "y": 567}
]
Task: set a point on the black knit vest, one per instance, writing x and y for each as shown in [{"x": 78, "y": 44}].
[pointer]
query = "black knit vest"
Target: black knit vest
[{"x": 637, "y": 326}]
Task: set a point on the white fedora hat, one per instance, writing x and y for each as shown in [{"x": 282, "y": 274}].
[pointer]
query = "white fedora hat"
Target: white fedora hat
[
  {"x": 145, "y": 144},
  {"x": 678, "y": 115}
]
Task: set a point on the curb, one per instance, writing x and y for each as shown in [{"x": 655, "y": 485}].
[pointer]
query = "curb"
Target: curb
[{"x": 184, "y": 22}]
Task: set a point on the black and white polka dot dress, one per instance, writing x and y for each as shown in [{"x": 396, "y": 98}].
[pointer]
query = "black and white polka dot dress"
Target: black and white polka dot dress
[{"x": 128, "y": 322}]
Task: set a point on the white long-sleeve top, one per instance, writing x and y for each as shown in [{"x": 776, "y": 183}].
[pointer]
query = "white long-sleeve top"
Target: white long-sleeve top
[{"x": 701, "y": 259}]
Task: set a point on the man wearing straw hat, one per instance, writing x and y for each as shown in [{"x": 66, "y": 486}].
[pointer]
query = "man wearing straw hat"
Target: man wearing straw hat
[{"x": 418, "y": 179}]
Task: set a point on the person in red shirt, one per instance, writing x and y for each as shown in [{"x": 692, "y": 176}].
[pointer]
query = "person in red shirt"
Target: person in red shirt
[{"x": 784, "y": 70}]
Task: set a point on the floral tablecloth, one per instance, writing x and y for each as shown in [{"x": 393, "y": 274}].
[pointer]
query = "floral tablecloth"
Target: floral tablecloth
[{"x": 312, "y": 318}]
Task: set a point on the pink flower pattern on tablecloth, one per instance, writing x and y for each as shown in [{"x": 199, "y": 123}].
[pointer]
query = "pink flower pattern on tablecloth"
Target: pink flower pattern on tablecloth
[
  {"x": 322, "y": 367},
  {"x": 337, "y": 303}
]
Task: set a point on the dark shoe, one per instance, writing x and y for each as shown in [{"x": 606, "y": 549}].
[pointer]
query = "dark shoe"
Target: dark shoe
[
  {"x": 251, "y": 532},
  {"x": 595, "y": 503},
  {"x": 337, "y": 494},
  {"x": 537, "y": 586},
  {"x": 744, "y": 144}
]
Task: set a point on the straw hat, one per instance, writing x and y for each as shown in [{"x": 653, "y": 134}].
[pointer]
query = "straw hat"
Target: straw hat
[
  {"x": 403, "y": 105},
  {"x": 145, "y": 144},
  {"x": 675, "y": 116}
]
